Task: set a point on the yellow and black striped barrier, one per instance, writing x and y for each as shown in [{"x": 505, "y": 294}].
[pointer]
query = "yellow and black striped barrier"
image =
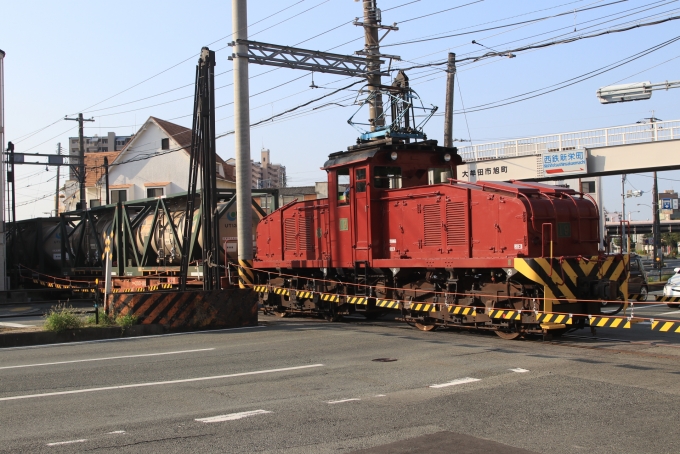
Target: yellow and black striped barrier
[
  {"x": 361, "y": 300},
  {"x": 281, "y": 291},
  {"x": 668, "y": 299},
  {"x": 303, "y": 294},
  {"x": 423, "y": 307},
  {"x": 610, "y": 322},
  {"x": 505, "y": 314},
  {"x": 553, "y": 318},
  {"x": 330, "y": 297},
  {"x": 462, "y": 310},
  {"x": 665, "y": 326},
  {"x": 246, "y": 278},
  {"x": 261, "y": 288},
  {"x": 389, "y": 304}
]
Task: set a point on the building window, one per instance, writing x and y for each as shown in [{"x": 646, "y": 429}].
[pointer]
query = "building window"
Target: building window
[
  {"x": 165, "y": 144},
  {"x": 105, "y": 140},
  {"x": 94, "y": 203},
  {"x": 154, "y": 192},
  {"x": 588, "y": 187},
  {"x": 118, "y": 195}
]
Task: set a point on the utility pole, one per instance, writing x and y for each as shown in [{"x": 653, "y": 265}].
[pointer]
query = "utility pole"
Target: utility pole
[
  {"x": 56, "y": 193},
  {"x": 448, "y": 115},
  {"x": 81, "y": 158},
  {"x": 658, "y": 258},
  {"x": 372, "y": 48},
  {"x": 106, "y": 178},
  {"x": 623, "y": 212},
  {"x": 244, "y": 221}
]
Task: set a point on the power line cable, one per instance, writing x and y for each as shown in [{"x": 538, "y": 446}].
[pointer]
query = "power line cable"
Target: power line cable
[{"x": 442, "y": 11}]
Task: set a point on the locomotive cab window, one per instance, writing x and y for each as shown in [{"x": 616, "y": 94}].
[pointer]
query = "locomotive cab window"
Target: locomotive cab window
[
  {"x": 360, "y": 183},
  {"x": 342, "y": 189},
  {"x": 386, "y": 177},
  {"x": 439, "y": 175}
]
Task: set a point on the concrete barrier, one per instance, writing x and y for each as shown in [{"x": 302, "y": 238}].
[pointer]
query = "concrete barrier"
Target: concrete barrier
[{"x": 192, "y": 309}]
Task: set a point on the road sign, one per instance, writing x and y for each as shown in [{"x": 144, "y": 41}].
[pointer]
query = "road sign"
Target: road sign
[
  {"x": 666, "y": 204},
  {"x": 565, "y": 162}
]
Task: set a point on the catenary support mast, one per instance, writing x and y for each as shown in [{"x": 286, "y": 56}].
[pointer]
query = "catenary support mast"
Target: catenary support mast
[{"x": 242, "y": 145}]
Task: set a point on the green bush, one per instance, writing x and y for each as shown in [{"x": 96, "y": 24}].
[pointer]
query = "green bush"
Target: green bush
[
  {"x": 61, "y": 318},
  {"x": 104, "y": 319},
  {"x": 126, "y": 321}
]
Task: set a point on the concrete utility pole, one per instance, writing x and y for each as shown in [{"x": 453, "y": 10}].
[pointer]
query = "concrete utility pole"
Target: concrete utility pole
[
  {"x": 56, "y": 193},
  {"x": 448, "y": 115},
  {"x": 372, "y": 48},
  {"x": 623, "y": 213},
  {"x": 3, "y": 235},
  {"x": 81, "y": 158},
  {"x": 244, "y": 220},
  {"x": 656, "y": 233}
]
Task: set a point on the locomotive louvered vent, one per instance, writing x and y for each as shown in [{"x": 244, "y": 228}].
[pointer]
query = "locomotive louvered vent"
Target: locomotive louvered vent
[
  {"x": 289, "y": 232},
  {"x": 433, "y": 225},
  {"x": 307, "y": 233},
  {"x": 456, "y": 234}
]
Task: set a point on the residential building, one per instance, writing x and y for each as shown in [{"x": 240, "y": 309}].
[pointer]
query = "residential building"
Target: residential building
[
  {"x": 96, "y": 144},
  {"x": 154, "y": 163},
  {"x": 264, "y": 174}
]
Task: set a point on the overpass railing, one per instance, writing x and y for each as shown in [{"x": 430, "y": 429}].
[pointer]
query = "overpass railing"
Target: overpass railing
[{"x": 578, "y": 140}]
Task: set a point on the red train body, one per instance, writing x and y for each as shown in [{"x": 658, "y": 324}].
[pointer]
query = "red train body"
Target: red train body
[{"x": 397, "y": 225}]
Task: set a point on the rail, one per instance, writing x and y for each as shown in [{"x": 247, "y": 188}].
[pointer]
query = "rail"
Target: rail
[{"x": 577, "y": 140}]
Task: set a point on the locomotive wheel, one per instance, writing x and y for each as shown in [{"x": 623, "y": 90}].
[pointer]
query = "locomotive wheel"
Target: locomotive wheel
[
  {"x": 424, "y": 327},
  {"x": 507, "y": 335}
]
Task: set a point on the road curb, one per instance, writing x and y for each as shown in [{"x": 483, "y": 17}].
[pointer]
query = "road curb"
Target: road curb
[{"x": 27, "y": 339}]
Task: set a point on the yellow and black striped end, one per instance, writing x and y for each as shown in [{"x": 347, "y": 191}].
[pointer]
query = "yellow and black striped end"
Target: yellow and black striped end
[
  {"x": 554, "y": 318},
  {"x": 459, "y": 310},
  {"x": 330, "y": 297},
  {"x": 505, "y": 314},
  {"x": 424, "y": 307},
  {"x": 246, "y": 279},
  {"x": 281, "y": 291},
  {"x": 303, "y": 294},
  {"x": 166, "y": 286},
  {"x": 609, "y": 322},
  {"x": 260, "y": 288},
  {"x": 665, "y": 326},
  {"x": 559, "y": 276},
  {"x": 668, "y": 299},
  {"x": 357, "y": 300},
  {"x": 389, "y": 304}
]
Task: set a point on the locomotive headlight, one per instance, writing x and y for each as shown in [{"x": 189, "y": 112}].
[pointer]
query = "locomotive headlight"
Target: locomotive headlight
[
  {"x": 393, "y": 155},
  {"x": 447, "y": 157}
]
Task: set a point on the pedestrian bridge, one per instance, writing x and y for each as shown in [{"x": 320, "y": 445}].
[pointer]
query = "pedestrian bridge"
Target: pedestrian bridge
[{"x": 640, "y": 147}]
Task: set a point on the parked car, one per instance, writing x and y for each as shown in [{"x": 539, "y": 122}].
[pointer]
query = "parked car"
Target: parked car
[
  {"x": 672, "y": 288},
  {"x": 637, "y": 280}
]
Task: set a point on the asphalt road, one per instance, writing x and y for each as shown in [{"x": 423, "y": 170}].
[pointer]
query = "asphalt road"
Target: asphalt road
[{"x": 305, "y": 386}]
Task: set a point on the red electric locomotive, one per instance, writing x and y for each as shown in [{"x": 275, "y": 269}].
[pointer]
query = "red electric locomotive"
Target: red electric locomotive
[{"x": 398, "y": 231}]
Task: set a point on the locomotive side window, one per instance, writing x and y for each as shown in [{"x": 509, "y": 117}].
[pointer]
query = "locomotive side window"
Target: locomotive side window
[
  {"x": 360, "y": 180},
  {"x": 386, "y": 177},
  {"x": 342, "y": 189}
]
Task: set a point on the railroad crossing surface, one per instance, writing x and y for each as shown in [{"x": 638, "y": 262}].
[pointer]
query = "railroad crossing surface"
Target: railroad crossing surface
[{"x": 300, "y": 385}]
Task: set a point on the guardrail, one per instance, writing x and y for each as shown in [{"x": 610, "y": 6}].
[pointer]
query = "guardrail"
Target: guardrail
[{"x": 577, "y": 140}]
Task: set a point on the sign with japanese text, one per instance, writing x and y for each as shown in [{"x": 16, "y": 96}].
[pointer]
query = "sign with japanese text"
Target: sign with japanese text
[{"x": 565, "y": 162}]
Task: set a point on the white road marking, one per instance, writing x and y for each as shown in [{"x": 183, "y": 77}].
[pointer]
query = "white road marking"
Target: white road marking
[
  {"x": 380, "y": 395},
  {"x": 119, "y": 339},
  {"x": 82, "y": 440},
  {"x": 115, "y": 432},
  {"x": 645, "y": 306},
  {"x": 519, "y": 370},
  {"x": 158, "y": 383},
  {"x": 670, "y": 313},
  {"x": 15, "y": 325},
  {"x": 107, "y": 358},
  {"x": 460, "y": 381},
  {"x": 341, "y": 401},
  {"x": 233, "y": 416}
]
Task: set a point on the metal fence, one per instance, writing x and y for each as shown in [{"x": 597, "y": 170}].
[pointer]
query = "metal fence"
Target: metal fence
[{"x": 593, "y": 138}]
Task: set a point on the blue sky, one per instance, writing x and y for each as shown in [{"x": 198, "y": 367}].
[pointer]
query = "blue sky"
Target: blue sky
[{"x": 99, "y": 58}]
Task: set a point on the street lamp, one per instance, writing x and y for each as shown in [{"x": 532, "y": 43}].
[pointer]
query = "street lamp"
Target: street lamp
[
  {"x": 632, "y": 92},
  {"x": 631, "y": 212}
]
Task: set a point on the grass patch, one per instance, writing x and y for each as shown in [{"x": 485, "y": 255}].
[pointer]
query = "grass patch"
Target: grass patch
[
  {"x": 126, "y": 321},
  {"x": 104, "y": 319},
  {"x": 62, "y": 317}
]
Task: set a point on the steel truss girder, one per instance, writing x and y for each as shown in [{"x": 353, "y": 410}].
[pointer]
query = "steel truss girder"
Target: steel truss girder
[{"x": 295, "y": 58}]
